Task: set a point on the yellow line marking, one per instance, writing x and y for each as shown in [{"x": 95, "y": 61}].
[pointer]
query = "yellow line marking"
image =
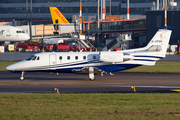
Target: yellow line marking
[{"x": 176, "y": 90}]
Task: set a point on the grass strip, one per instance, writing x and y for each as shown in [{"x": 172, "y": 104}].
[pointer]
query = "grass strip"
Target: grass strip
[
  {"x": 94, "y": 106},
  {"x": 4, "y": 64},
  {"x": 160, "y": 67}
]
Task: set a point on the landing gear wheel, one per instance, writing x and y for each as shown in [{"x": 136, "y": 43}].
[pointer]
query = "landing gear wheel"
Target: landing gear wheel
[
  {"x": 21, "y": 78},
  {"x": 92, "y": 79}
]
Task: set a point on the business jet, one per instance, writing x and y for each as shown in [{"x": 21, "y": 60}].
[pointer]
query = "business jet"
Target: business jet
[
  {"x": 12, "y": 34},
  {"x": 96, "y": 62}
]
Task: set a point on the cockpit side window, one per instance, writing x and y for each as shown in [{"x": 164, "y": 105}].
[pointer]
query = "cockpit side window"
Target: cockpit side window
[
  {"x": 38, "y": 58},
  {"x": 34, "y": 58}
]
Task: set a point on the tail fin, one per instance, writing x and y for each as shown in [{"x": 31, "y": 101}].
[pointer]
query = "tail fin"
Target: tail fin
[
  {"x": 154, "y": 51},
  {"x": 160, "y": 41},
  {"x": 57, "y": 16}
]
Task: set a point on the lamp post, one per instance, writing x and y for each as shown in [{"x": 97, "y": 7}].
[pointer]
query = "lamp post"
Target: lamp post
[
  {"x": 98, "y": 26},
  {"x": 127, "y": 9},
  {"x": 30, "y": 23}
]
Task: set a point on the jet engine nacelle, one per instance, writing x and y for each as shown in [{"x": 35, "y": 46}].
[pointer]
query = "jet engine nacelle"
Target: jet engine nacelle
[{"x": 111, "y": 56}]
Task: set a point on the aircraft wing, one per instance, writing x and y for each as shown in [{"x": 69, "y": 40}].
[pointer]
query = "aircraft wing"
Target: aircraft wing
[{"x": 85, "y": 70}]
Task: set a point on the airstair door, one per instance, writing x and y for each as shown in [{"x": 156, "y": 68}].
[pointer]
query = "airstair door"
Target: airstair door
[{"x": 52, "y": 62}]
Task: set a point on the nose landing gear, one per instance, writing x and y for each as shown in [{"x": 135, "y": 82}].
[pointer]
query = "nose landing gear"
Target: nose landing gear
[{"x": 22, "y": 76}]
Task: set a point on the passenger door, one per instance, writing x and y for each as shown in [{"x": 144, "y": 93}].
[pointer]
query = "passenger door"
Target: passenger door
[{"x": 52, "y": 61}]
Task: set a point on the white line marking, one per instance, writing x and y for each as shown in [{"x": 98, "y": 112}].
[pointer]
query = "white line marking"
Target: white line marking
[{"x": 146, "y": 86}]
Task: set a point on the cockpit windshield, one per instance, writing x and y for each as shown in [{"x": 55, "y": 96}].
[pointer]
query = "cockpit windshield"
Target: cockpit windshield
[{"x": 30, "y": 57}]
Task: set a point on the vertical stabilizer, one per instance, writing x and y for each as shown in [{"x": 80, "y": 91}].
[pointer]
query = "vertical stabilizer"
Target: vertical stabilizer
[
  {"x": 160, "y": 41},
  {"x": 57, "y": 16}
]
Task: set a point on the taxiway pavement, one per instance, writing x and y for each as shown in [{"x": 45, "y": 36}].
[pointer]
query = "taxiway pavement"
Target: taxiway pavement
[{"x": 77, "y": 83}]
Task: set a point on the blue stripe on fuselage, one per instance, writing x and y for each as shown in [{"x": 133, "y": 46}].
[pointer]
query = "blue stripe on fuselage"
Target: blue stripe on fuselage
[
  {"x": 143, "y": 60},
  {"x": 148, "y": 56},
  {"x": 106, "y": 68},
  {"x": 116, "y": 67}
]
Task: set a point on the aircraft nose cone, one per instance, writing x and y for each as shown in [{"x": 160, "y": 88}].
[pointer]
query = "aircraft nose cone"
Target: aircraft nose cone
[
  {"x": 27, "y": 37},
  {"x": 10, "y": 67}
]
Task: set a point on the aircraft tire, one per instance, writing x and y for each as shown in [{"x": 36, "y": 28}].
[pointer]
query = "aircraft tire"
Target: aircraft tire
[
  {"x": 92, "y": 79},
  {"x": 21, "y": 78}
]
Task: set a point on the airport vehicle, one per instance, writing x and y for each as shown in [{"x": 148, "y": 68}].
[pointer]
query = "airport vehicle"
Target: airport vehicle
[
  {"x": 61, "y": 47},
  {"x": 29, "y": 47},
  {"x": 97, "y": 62},
  {"x": 32, "y": 48},
  {"x": 57, "y": 16},
  {"x": 12, "y": 34},
  {"x": 21, "y": 47},
  {"x": 48, "y": 47}
]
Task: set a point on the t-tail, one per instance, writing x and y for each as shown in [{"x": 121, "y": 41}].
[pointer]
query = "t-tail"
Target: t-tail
[
  {"x": 160, "y": 41},
  {"x": 155, "y": 50},
  {"x": 57, "y": 16}
]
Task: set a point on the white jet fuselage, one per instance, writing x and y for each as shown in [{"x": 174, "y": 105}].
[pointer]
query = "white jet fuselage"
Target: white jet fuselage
[
  {"x": 77, "y": 61},
  {"x": 12, "y": 34}
]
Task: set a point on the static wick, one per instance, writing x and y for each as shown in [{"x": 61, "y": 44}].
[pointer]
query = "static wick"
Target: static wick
[{"x": 56, "y": 89}]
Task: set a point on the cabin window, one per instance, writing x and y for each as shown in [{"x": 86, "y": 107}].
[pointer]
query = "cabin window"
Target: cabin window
[
  {"x": 84, "y": 57},
  {"x": 68, "y": 57},
  {"x": 76, "y": 57},
  {"x": 19, "y": 31},
  {"x": 60, "y": 58},
  {"x": 1, "y": 32},
  {"x": 94, "y": 57}
]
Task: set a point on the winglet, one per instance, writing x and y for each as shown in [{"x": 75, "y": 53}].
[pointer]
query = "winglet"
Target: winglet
[{"x": 57, "y": 16}]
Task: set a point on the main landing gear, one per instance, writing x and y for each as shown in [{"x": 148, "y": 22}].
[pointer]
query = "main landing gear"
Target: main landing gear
[
  {"x": 91, "y": 74},
  {"x": 22, "y": 76},
  {"x": 94, "y": 70}
]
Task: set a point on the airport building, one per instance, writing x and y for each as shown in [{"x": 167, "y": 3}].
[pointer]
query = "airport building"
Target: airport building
[
  {"x": 20, "y": 9},
  {"x": 155, "y": 20},
  {"x": 20, "y": 12}
]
